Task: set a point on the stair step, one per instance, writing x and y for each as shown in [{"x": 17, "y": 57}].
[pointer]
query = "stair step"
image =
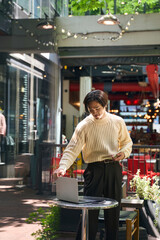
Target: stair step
[{"x": 11, "y": 181}]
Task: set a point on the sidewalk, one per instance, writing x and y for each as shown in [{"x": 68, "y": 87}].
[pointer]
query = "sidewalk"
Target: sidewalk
[{"x": 15, "y": 205}]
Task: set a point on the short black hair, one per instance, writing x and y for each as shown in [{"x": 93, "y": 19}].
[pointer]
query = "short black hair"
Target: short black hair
[{"x": 98, "y": 96}]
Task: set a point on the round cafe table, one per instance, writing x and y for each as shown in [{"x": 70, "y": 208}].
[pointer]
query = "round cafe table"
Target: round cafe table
[{"x": 99, "y": 203}]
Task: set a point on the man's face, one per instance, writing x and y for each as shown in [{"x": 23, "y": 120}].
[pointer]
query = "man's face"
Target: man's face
[{"x": 96, "y": 109}]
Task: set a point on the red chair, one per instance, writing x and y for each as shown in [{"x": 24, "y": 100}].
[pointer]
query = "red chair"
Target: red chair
[
  {"x": 135, "y": 164},
  {"x": 144, "y": 163},
  {"x": 138, "y": 162},
  {"x": 78, "y": 172},
  {"x": 54, "y": 165},
  {"x": 150, "y": 170}
]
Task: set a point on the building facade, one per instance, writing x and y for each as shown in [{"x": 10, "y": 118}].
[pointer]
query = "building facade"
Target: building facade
[{"x": 30, "y": 90}]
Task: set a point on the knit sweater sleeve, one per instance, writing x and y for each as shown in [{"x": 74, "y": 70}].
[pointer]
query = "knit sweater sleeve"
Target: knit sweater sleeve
[
  {"x": 125, "y": 142},
  {"x": 73, "y": 148}
]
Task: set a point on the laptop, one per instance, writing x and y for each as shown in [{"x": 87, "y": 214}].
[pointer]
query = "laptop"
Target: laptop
[{"x": 67, "y": 190}]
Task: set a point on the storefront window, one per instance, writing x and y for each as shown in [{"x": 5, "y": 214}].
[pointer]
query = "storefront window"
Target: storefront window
[
  {"x": 24, "y": 4},
  {"x": 23, "y": 111},
  {"x": 59, "y": 6},
  {"x": 11, "y": 114},
  {"x": 30, "y": 98},
  {"x": 18, "y": 108},
  {"x": 28, "y": 109},
  {"x": 38, "y": 9}
]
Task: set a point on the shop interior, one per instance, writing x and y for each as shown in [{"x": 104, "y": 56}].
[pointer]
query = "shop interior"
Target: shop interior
[{"x": 129, "y": 95}]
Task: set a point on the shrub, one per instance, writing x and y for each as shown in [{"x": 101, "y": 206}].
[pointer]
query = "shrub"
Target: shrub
[{"x": 49, "y": 221}]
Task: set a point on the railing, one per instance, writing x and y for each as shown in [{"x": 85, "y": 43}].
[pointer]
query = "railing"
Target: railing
[
  {"x": 143, "y": 157},
  {"x": 146, "y": 158}
]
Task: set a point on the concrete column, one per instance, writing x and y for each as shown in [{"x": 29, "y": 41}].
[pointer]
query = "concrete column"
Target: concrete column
[{"x": 85, "y": 87}]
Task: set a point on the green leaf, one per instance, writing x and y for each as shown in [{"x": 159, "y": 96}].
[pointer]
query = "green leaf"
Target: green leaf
[
  {"x": 80, "y": 7},
  {"x": 49, "y": 221}
]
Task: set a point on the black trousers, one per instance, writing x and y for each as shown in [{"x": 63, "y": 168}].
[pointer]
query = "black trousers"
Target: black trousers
[{"x": 103, "y": 180}]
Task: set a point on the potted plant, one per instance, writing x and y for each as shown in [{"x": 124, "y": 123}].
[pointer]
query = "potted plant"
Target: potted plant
[{"x": 150, "y": 213}]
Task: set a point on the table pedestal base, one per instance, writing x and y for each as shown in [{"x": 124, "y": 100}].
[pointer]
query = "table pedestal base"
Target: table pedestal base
[{"x": 85, "y": 224}]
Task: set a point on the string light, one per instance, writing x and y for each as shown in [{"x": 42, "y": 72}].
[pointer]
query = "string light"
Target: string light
[
  {"x": 32, "y": 35},
  {"x": 114, "y": 110},
  {"x": 26, "y": 30},
  {"x": 86, "y": 36}
]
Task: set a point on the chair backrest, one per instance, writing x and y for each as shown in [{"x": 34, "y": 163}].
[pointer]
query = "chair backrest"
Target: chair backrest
[
  {"x": 55, "y": 162},
  {"x": 141, "y": 157},
  {"x": 138, "y": 162},
  {"x": 135, "y": 164}
]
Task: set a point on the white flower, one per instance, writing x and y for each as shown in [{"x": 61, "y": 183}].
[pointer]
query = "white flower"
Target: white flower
[{"x": 145, "y": 190}]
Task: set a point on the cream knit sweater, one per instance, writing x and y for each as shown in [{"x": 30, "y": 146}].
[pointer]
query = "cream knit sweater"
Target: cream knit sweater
[{"x": 98, "y": 139}]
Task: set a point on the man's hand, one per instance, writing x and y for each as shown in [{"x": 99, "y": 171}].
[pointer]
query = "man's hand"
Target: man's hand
[
  {"x": 58, "y": 173},
  {"x": 119, "y": 156}
]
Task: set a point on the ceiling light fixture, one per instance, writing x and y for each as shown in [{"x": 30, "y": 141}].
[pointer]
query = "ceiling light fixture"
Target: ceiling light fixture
[
  {"x": 45, "y": 24},
  {"x": 108, "y": 72},
  {"x": 108, "y": 19}
]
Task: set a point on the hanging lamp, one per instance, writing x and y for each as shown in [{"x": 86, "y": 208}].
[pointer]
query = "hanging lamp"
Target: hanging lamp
[
  {"x": 108, "y": 19},
  {"x": 46, "y": 24}
]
